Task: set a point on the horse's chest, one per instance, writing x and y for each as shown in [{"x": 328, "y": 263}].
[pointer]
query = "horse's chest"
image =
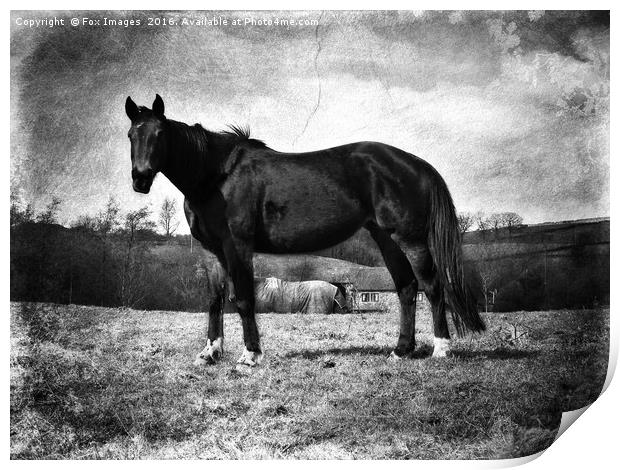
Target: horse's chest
[
  {"x": 209, "y": 240},
  {"x": 205, "y": 229}
]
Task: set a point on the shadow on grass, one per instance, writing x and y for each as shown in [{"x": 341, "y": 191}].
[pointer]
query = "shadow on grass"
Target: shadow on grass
[
  {"x": 344, "y": 351},
  {"x": 420, "y": 353},
  {"x": 498, "y": 354}
]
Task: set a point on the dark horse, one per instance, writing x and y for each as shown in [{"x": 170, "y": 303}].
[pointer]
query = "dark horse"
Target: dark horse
[{"x": 241, "y": 197}]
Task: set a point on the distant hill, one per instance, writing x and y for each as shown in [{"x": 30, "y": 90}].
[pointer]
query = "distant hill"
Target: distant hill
[
  {"x": 574, "y": 232},
  {"x": 538, "y": 266},
  {"x": 549, "y": 265}
]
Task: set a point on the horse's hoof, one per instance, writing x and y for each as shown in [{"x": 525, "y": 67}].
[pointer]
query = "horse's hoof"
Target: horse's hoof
[
  {"x": 203, "y": 359},
  {"x": 250, "y": 358},
  {"x": 200, "y": 361},
  {"x": 441, "y": 347},
  {"x": 394, "y": 357},
  {"x": 211, "y": 353}
]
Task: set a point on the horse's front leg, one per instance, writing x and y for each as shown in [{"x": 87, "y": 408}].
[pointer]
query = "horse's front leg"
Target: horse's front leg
[
  {"x": 239, "y": 258},
  {"x": 214, "y": 349}
]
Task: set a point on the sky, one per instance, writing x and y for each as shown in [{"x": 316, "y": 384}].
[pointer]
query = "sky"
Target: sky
[{"x": 512, "y": 108}]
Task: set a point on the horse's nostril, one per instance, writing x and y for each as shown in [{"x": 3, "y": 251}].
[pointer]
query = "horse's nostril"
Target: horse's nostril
[{"x": 147, "y": 172}]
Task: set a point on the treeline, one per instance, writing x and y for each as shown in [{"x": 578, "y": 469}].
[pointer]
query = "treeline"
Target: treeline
[
  {"x": 134, "y": 259},
  {"x": 111, "y": 259}
]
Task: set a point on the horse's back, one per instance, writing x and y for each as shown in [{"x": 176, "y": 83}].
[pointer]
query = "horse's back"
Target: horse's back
[
  {"x": 315, "y": 199},
  {"x": 355, "y": 164}
]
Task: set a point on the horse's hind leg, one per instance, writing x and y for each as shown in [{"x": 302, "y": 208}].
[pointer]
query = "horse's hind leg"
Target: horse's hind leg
[
  {"x": 239, "y": 259},
  {"x": 423, "y": 266},
  {"x": 406, "y": 286}
]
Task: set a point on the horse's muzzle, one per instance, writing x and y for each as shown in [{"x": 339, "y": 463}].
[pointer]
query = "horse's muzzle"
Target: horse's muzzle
[
  {"x": 142, "y": 184},
  {"x": 142, "y": 180}
]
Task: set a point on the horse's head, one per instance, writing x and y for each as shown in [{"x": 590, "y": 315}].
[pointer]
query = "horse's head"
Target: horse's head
[{"x": 149, "y": 145}]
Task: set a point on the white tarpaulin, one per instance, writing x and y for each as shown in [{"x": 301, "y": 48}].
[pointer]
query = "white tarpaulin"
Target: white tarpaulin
[{"x": 276, "y": 295}]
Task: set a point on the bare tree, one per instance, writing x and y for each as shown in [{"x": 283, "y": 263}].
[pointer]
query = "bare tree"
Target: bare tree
[
  {"x": 466, "y": 221},
  {"x": 131, "y": 274},
  {"x": 105, "y": 223},
  {"x": 167, "y": 217},
  {"x": 487, "y": 273},
  {"x": 107, "y": 220},
  {"x": 498, "y": 220},
  {"x": 511, "y": 219},
  {"x": 495, "y": 221},
  {"x": 136, "y": 221},
  {"x": 481, "y": 221},
  {"x": 19, "y": 215},
  {"x": 85, "y": 222},
  {"x": 50, "y": 214}
]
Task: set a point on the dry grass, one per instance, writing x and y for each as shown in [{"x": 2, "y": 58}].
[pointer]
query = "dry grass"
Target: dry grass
[{"x": 91, "y": 383}]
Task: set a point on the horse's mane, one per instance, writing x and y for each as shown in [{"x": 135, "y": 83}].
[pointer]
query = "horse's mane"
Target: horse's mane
[
  {"x": 199, "y": 139},
  {"x": 242, "y": 133}
]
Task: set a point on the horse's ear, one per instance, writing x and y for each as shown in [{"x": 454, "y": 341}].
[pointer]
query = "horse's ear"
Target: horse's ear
[
  {"x": 131, "y": 109},
  {"x": 158, "y": 106}
]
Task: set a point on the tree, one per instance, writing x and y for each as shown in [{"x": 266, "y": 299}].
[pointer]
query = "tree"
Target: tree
[
  {"x": 481, "y": 221},
  {"x": 497, "y": 220},
  {"x": 17, "y": 214},
  {"x": 466, "y": 221},
  {"x": 167, "y": 217},
  {"x": 137, "y": 220},
  {"x": 487, "y": 272},
  {"x": 85, "y": 223},
  {"x": 50, "y": 215},
  {"x": 106, "y": 222},
  {"x": 131, "y": 288},
  {"x": 511, "y": 219}
]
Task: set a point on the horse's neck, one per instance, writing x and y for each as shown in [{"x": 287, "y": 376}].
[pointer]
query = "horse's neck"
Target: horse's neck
[{"x": 195, "y": 166}]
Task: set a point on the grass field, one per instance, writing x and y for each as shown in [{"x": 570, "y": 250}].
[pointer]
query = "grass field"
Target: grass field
[{"x": 96, "y": 383}]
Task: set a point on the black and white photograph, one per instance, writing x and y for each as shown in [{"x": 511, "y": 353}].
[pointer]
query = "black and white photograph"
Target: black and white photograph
[{"x": 306, "y": 234}]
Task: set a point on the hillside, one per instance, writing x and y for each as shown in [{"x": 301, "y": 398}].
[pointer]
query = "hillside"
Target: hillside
[{"x": 550, "y": 265}]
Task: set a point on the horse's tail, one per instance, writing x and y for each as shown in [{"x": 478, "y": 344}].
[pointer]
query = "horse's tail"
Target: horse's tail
[{"x": 444, "y": 238}]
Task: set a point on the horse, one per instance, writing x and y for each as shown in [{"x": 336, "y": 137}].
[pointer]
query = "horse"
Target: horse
[{"x": 243, "y": 197}]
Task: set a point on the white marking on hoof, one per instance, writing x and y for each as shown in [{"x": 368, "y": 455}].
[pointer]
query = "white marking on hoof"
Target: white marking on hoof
[
  {"x": 232, "y": 297},
  {"x": 394, "y": 357},
  {"x": 249, "y": 358},
  {"x": 212, "y": 352},
  {"x": 199, "y": 361},
  {"x": 441, "y": 347}
]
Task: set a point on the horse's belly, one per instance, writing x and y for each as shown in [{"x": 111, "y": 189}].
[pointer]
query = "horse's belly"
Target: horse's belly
[{"x": 307, "y": 226}]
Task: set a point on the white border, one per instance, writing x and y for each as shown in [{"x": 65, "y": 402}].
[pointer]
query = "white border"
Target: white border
[{"x": 590, "y": 442}]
